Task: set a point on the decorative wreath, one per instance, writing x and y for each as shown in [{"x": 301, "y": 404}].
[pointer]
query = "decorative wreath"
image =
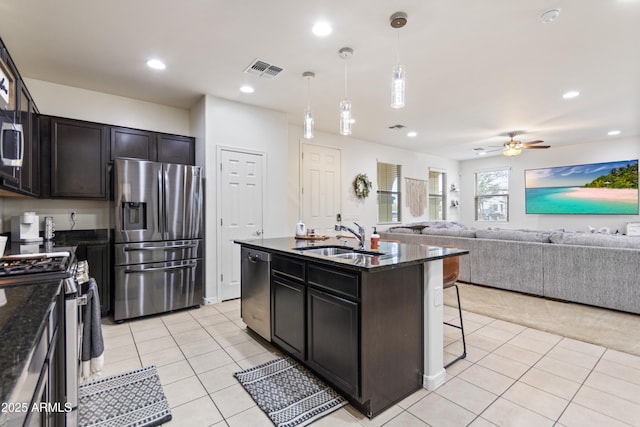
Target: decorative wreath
[{"x": 362, "y": 185}]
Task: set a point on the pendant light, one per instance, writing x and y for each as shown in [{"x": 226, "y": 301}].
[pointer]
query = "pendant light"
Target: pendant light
[
  {"x": 307, "y": 127},
  {"x": 345, "y": 106},
  {"x": 398, "y": 20}
]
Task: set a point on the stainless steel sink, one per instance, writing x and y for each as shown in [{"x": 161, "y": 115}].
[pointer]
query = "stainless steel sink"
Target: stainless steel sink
[
  {"x": 327, "y": 251},
  {"x": 353, "y": 255},
  {"x": 339, "y": 252}
]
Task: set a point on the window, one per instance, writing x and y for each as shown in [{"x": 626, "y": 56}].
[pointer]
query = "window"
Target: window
[
  {"x": 437, "y": 202},
  {"x": 492, "y": 195},
  {"x": 389, "y": 192}
]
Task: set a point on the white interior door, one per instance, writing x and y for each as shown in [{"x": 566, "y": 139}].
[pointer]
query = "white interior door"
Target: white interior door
[
  {"x": 320, "y": 187},
  {"x": 241, "y": 206}
]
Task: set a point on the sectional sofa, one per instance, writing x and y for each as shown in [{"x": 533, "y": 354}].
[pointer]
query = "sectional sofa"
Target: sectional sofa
[{"x": 602, "y": 270}]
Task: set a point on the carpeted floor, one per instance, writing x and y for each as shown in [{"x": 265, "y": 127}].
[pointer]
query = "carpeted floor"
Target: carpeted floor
[{"x": 608, "y": 328}]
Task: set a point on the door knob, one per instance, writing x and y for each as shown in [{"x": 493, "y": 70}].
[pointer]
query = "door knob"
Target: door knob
[{"x": 259, "y": 232}]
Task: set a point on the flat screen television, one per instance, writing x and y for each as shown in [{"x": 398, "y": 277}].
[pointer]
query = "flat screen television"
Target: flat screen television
[{"x": 591, "y": 189}]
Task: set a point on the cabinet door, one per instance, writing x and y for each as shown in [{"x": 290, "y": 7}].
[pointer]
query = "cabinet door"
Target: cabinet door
[
  {"x": 79, "y": 159},
  {"x": 98, "y": 258},
  {"x": 287, "y": 315},
  {"x": 30, "y": 170},
  {"x": 176, "y": 149},
  {"x": 332, "y": 339},
  {"x": 133, "y": 144}
]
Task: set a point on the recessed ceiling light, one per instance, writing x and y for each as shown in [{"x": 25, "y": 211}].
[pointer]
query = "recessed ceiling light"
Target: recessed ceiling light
[
  {"x": 156, "y": 64},
  {"x": 412, "y": 134},
  {"x": 247, "y": 89},
  {"x": 571, "y": 94},
  {"x": 549, "y": 16},
  {"x": 613, "y": 132},
  {"x": 322, "y": 29}
]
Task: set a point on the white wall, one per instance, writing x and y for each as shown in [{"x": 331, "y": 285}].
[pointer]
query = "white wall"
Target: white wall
[
  {"x": 234, "y": 125},
  {"x": 66, "y": 101},
  {"x": 597, "y": 152},
  {"x": 360, "y": 156}
]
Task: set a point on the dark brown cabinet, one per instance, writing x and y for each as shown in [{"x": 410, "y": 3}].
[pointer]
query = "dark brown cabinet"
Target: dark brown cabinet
[
  {"x": 98, "y": 257},
  {"x": 361, "y": 331},
  {"x": 288, "y": 315},
  {"x": 332, "y": 339},
  {"x": 153, "y": 146},
  {"x": 176, "y": 149},
  {"x": 78, "y": 155},
  {"x": 133, "y": 144}
]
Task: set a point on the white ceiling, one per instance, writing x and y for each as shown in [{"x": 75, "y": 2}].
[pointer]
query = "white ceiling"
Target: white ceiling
[{"x": 475, "y": 69}]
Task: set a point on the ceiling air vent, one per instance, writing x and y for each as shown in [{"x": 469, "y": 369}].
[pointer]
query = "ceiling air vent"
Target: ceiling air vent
[
  {"x": 263, "y": 69},
  {"x": 397, "y": 127}
]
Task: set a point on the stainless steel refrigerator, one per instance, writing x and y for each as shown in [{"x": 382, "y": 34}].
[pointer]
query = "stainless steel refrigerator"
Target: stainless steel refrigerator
[{"x": 158, "y": 237}]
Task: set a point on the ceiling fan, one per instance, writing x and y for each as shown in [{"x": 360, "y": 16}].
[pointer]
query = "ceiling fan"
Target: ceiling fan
[{"x": 513, "y": 148}]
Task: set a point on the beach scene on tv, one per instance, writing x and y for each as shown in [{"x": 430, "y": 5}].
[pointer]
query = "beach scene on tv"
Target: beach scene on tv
[{"x": 597, "y": 189}]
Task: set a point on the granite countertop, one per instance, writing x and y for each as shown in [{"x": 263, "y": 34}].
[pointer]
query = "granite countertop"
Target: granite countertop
[
  {"x": 23, "y": 318},
  {"x": 390, "y": 254}
]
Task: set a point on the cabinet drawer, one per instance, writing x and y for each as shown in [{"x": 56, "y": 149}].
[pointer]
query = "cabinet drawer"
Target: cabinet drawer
[
  {"x": 289, "y": 267},
  {"x": 341, "y": 282}
]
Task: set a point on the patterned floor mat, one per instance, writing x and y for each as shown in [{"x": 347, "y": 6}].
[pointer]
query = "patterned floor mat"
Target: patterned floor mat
[{"x": 135, "y": 398}]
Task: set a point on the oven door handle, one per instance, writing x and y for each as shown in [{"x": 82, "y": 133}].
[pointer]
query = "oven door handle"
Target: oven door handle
[
  {"x": 171, "y": 267},
  {"x": 159, "y": 248}
]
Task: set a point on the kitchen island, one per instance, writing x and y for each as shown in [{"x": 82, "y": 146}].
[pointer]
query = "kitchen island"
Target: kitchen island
[{"x": 369, "y": 322}]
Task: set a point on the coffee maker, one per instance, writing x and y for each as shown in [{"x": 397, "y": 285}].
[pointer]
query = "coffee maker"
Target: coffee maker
[{"x": 26, "y": 228}]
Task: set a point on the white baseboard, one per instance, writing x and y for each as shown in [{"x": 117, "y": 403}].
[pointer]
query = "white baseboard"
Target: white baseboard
[
  {"x": 433, "y": 382},
  {"x": 209, "y": 301}
]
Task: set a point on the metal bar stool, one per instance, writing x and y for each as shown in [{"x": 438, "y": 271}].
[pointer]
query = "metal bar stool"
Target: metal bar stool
[{"x": 450, "y": 272}]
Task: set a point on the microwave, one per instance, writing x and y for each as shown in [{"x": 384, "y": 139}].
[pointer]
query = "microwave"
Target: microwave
[{"x": 11, "y": 145}]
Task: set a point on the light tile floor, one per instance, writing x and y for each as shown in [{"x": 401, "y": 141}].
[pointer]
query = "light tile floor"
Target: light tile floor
[{"x": 512, "y": 376}]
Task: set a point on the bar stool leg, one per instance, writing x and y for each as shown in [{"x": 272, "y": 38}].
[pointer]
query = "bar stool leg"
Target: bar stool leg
[{"x": 461, "y": 327}]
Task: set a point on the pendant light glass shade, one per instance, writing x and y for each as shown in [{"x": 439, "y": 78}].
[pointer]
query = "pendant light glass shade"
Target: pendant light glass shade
[
  {"x": 345, "y": 117},
  {"x": 398, "y": 20},
  {"x": 397, "y": 86},
  {"x": 307, "y": 132},
  {"x": 307, "y": 124}
]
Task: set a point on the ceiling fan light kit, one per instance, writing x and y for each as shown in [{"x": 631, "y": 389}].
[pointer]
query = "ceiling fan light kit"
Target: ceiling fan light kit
[{"x": 513, "y": 148}]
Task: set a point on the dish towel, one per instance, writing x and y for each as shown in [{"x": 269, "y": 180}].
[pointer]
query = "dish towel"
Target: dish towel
[{"x": 92, "y": 343}]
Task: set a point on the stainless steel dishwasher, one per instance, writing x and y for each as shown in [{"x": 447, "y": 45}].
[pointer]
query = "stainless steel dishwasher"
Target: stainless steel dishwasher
[{"x": 255, "y": 291}]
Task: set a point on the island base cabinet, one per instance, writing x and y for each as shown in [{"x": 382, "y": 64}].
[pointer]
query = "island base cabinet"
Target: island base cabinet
[
  {"x": 392, "y": 336},
  {"x": 332, "y": 339},
  {"x": 288, "y": 316}
]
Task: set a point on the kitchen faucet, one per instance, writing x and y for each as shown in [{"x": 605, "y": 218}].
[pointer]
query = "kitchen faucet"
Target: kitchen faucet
[{"x": 359, "y": 235}]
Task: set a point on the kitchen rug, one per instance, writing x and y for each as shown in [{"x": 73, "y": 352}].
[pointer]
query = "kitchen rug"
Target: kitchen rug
[
  {"x": 288, "y": 393},
  {"x": 132, "y": 399}
]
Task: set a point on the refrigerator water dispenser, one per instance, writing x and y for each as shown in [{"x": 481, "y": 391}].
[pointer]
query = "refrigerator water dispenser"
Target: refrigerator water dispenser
[{"x": 134, "y": 215}]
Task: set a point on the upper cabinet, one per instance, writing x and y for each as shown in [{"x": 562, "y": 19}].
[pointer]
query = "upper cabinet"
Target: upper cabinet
[
  {"x": 133, "y": 144},
  {"x": 154, "y": 146},
  {"x": 176, "y": 149},
  {"x": 78, "y": 159}
]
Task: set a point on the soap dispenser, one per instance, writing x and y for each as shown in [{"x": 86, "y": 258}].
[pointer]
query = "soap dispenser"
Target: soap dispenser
[{"x": 375, "y": 239}]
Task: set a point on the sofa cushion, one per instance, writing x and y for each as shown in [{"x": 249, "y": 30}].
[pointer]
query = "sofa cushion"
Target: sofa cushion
[
  {"x": 405, "y": 230},
  {"x": 516, "y": 235},
  {"x": 449, "y": 232},
  {"x": 596, "y": 239}
]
